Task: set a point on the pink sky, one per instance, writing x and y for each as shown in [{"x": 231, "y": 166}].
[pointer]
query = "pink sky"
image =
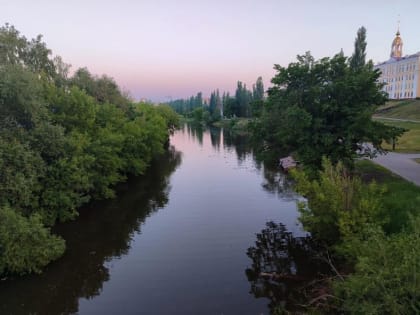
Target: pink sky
[{"x": 162, "y": 48}]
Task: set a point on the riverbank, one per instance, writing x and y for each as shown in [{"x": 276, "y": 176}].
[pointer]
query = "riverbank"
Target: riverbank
[
  {"x": 370, "y": 230},
  {"x": 401, "y": 198}
]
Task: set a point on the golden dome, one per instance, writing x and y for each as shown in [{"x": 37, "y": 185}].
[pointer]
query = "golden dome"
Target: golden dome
[{"x": 396, "y": 48}]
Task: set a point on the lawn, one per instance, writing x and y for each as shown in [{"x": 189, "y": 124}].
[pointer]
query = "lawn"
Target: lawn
[
  {"x": 401, "y": 199},
  {"x": 410, "y": 140}
]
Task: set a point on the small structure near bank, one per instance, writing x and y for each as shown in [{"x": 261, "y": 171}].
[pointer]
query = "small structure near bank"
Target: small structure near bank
[{"x": 287, "y": 163}]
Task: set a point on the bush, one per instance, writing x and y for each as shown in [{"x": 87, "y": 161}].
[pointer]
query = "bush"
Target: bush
[
  {"x": 387, "y": 273},
  {"x": 25, "y": 244},
  {"x": 337, "y": 204}
]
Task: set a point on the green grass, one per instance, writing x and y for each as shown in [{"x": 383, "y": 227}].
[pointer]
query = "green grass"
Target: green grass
[
  {"x": 406, "y": 109},
  {"x": 401, "y": 198},
  {"x": 410, "y": 140}
]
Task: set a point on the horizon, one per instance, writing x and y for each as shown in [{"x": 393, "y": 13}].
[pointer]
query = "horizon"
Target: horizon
[{"x": 166, "y": 50}]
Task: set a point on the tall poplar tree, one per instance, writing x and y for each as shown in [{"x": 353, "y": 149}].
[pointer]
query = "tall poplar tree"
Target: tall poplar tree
[{"x": 358, "y": 59}]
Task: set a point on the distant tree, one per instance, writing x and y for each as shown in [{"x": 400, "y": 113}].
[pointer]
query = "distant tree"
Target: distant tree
[
  {"x": 198, "y": 100},
  {"x": 357, "y": 60},
  {"x": 258, "y": 90},
  {"x": 243, "y": 97},
  {"x": 257, "y": 98},
  {"x": 230, "y": 106},
  {"x": 219, "y": 105},
  {"x": 212, "y": 103}
]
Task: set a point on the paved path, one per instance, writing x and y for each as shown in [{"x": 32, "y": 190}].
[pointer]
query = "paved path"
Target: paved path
[
  {"x": 397, "y": 119},
  {"x": 401, "y": 164}
]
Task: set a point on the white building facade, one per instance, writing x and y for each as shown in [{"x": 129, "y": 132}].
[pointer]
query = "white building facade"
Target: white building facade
[{"x": 400, "y": 74}]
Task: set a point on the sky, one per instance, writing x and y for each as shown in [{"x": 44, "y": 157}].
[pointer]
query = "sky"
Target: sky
[{"x": 168, "y": 49}]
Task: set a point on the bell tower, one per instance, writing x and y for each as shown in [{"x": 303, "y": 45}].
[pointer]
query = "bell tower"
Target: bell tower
[{"x": 397, "y": 43}]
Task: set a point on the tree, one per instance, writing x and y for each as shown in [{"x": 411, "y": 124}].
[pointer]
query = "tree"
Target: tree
[
  {"x": 258, "y": 90},
  {"x": 32, "y": 55},
  {"x": 62, "y": 141},
  {"x": 357, "y": 60},
  {"x": 257, "y": 98},
  {"x": 25, "y": 244},
  {"x": 324, "y": 108},
  {"x": 243, "y": 97}
]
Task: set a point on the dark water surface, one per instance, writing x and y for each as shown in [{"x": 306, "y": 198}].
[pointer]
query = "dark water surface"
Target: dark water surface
[{"x": 174, "y": 241}]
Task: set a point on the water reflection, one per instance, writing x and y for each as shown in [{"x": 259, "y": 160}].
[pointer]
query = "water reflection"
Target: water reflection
[
  {"x": 282, "y": 265},
  {"x": 195, "y": 131},
  {"x": 102, "y": 232},
  {"x": 240, "y": 143},
  {"x": 275, "y": 181},
  {"x": 215, "y": 136}
]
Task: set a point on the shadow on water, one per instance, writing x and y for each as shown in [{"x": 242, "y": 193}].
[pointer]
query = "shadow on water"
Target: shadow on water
[
  {"x": 103, "y": 231},
  {"x": 282, "y": 267}
]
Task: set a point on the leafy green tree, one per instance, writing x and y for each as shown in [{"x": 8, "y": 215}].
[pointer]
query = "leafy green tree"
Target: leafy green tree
[
  {"x": 63, "y": 141},
  {"x": 74, "y": 109},
  {"x": 25, "y": 244},
  {"x": 20, "y": 169},
  {"x": 170, "y": 116},
  {"x": 32, "y": 55},
  {"x": 21, "y": 99},
  {"x": 323, "y": 108}
]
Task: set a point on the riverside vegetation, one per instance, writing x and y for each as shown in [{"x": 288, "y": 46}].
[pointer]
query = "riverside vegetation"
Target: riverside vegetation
[
  {"x": 64, "y": 140},
  {"x": 321, "y": 112}
]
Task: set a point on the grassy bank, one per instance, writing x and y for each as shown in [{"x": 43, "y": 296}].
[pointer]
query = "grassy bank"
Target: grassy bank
[
  {"x": 410, "y": 140},
  {"x": 402, "y": 110},
  {"x": 406, "y": 109},
  {"x": 401, "y": 198}
]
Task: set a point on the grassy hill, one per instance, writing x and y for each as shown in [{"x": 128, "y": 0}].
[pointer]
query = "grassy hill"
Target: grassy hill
[
  {"x": 406, "y": 109},
  {"x": 394, "y": 113}
]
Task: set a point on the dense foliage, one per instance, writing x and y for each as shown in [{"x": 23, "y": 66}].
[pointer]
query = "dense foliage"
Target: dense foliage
[
  {"x": 338, "y": 204},
  {"x": 63, "y": 141},
  {"x": 321, "y": 112},
  {"x": 324, "y": 107},
  {"x": 348, "y": 215}
]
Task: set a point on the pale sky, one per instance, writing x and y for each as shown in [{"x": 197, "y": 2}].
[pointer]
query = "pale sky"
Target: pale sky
[{"x": 175, "y": 48}]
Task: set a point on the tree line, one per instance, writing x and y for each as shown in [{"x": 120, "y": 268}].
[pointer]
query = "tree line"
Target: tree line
[
  {"x": 245, "y": 103},
  {"x": 64, "y": 140}
]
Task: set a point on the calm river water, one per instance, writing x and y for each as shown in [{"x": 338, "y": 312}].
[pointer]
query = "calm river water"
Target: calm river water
[{"x": 174, "y": 241}]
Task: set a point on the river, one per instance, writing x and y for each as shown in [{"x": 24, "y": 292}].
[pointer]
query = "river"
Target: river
[{"x": 174, "y": 241}]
